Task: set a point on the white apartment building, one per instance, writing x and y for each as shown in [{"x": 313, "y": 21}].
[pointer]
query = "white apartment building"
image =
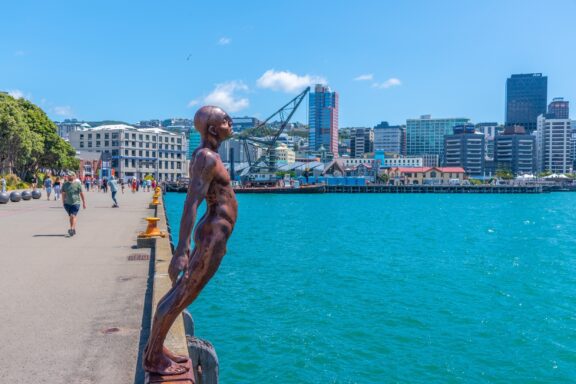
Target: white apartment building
[
  {"x": 285, "y": 155},
  {"x": 554, "y": 145},
  {"x": 136, "y": 152}
]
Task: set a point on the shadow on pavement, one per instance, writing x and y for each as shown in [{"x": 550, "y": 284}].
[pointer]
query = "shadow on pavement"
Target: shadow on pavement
[{"x": 58, "y": 235}]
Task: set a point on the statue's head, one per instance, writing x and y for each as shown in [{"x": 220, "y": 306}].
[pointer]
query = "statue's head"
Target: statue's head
[{"x": 213, "y": 121}]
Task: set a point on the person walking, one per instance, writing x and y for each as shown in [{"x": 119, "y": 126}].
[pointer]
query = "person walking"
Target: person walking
[
  {"x": 122, "y": 184},
  {"x": 105, "y": 185},
  {"x": 87, "y": 183},
  {"x": 2, "y": 184},
  {"x": 113, "y": 189},
  {"x": 71, "y": 196},
  {"x": 48, "y": 186},
  {"x": 57, "y": 188},
  {"x": 133, "y": 185}
]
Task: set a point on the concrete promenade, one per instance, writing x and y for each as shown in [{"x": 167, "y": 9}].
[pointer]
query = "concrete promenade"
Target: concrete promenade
[{"x": 72, "y": 308}]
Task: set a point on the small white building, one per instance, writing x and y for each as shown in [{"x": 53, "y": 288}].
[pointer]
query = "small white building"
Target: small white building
[{"x": 284, "y": 155}]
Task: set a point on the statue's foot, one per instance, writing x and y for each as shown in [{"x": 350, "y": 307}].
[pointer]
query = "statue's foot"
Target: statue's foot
[
  {"x": 174, "y": 357},
  {"x": 164, "y": 366},
  {"x": 169, "y": 354}
]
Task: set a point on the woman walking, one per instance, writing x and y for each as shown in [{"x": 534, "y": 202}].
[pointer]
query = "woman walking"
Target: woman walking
[{"x": 57, "y": 189}]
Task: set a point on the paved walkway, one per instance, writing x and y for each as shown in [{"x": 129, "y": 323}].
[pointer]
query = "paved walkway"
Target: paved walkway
[{"x": 71, "y": 308}]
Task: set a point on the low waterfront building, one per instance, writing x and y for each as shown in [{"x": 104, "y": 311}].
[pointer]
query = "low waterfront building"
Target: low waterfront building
[
  {"x": 136, "y": 152},
  {"x": 426, "y": 175},
  {"x": 465, "y": 148}
]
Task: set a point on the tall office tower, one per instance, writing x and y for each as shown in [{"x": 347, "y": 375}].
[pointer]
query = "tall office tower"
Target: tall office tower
[
  {"x": 559, "y": 108},
  {"x": 390, "y": 138},
  {"x": 554, "y": 145},
  {"x": 361, "y": 142},
  {"x": 526, "y": 98},
  {"x": 425, "y": 136},
  {"x": 515, "y": 150},
  {"x": 323, "y": 119},
  {"x": 465, "y": 148}
]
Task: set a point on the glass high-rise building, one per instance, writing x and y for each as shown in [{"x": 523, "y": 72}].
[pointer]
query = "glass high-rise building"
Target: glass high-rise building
[
  {"x": 526, "y": 98},
  {"x": 425, "y": 136},
  {"x": 323, "y": 119}
]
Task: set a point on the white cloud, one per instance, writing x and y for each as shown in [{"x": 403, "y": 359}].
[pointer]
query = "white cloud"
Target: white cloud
[
  {"x": 192, "y": 103},
  {"x": 391, "y": 82},
  {"x": 365, "y": 77},
  {"x": 17, "y": 94},
  {"x": 64, "y": 111},
  {"x": 224, "y": 96},
  {"x": 287, "y": 81},
  {"x": 224, "y": 41}
]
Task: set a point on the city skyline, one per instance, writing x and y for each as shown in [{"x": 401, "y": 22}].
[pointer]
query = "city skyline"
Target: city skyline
[{"x": 387, "y": 61}]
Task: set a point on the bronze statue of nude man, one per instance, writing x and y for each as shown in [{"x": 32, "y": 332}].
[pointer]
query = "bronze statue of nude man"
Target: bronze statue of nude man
[{"x": 190, "y": 270}]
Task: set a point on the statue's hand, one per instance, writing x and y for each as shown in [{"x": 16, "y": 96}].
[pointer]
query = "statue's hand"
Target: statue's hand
[{"x": 178, "y": 264}]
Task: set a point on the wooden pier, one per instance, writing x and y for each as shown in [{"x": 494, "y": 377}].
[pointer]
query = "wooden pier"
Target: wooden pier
[{"x": 434, "y": 189}]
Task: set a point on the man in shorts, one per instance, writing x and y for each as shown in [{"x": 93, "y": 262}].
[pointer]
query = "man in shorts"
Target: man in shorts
[
  {"x": 113, "y": 184},
  {"x": 71, "y": 195}
]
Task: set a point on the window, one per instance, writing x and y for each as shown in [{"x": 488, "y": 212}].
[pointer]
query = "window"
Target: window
[
  {"x": 160, "y": 164},
  {"x": 106, "y": 135},
  {"x": 126, "y": 144},
  {"x": 106, "y": 143},
  {"x": 139, "y": 153},
  {"x": 140, "y": 144},
  {"x": 133, "y": 143},
  {"x": 89, "y": 136},
  {"x": 89, "y": 144},
  {"x": 81, "y": 144},
  {"x": 147, "y": 145},
  {"x": 97, "y": 143},
  {"x": 81, "y": 136},
  {"x": 126, "y": 136},
  {"x": 97, "y": 136},
  {"x": 139, "y": 137},
  {"x": 115, "y": 136},
  {"x": 433, "y": 174},
  {"x": 171, "y": 139},
  {"x": 126, "y": 152},
  {"x": 147, "y": 137}
]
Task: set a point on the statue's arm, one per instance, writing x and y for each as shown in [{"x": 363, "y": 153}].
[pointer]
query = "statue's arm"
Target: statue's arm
[{"x": 201, "y": 175}]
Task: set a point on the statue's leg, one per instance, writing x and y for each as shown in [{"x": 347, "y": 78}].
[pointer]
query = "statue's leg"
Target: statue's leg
[{"x": 202, "y": 267}]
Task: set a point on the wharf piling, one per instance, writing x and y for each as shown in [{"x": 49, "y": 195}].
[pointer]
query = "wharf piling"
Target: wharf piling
[{"x": 377, "y": 188}]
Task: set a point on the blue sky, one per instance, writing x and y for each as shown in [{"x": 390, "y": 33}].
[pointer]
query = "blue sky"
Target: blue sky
[{"x": 388, "y": 60}]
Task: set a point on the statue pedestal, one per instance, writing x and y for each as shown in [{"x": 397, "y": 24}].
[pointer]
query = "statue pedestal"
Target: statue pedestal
[{"x": 184, "y": 378}]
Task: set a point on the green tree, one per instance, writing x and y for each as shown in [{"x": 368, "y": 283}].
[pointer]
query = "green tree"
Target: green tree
[
  {"x": 504, "y": 174},
  {"x": 29, "y": 140}
]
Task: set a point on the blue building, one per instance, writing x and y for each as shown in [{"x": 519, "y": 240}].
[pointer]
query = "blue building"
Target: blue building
[
  {"x": 323, "y": 119},
  {"x": 425, "y": 137},
  {"x": 526, "y": 98}
]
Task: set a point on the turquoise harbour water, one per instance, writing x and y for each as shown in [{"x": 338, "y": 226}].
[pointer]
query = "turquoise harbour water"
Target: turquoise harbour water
[{"x": 394, "y": 288}]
